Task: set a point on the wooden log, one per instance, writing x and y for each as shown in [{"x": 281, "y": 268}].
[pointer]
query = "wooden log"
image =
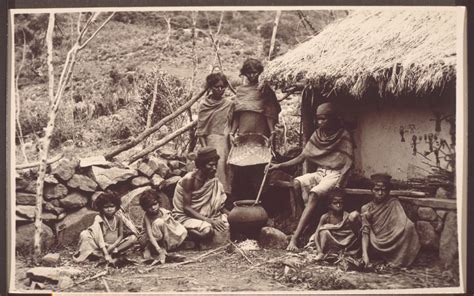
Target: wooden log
[
  {"x": 155, "y": 128},
  {"x": 410, "y": 193},
  {"x": 163, "y": 141}
]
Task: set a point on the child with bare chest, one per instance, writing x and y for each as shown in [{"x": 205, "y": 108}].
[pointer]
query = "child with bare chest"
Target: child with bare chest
[
  {"x": 337, "y": 230},
  {"x": 162, "y": 232}
]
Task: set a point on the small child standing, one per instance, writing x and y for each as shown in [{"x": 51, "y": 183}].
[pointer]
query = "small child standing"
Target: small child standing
[
  {"x": 105, "y": 237},
  {"x": 337, "y": 229},
  {"x": 162, "y": 232}
]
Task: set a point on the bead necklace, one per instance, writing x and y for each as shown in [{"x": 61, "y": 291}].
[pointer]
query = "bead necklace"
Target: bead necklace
[{"x": 114, "y": 223}]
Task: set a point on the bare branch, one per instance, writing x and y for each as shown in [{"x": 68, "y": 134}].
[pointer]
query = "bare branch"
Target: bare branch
[
  {"x": 219, "y": 26},
  {"x": 49, "y": 41},
  {"x": 18, "y": 99},
  {"x": 97, "y": 31},
  {"x": 35, "y": 164},
  {"x": 79, "y": 18}
]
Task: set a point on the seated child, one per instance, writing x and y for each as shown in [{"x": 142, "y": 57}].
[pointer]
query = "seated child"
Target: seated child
[
  {"x": 105, "y": 237},
  {"x": 162, "y": 232},
  {"x": 337, "y": 229}
]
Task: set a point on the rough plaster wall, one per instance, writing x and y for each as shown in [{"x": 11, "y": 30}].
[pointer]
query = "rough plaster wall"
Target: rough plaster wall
[{"x": 378, "y": 139}]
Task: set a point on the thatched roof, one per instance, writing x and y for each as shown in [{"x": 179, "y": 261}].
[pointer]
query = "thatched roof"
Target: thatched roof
[{"x": 394, "y": 52}]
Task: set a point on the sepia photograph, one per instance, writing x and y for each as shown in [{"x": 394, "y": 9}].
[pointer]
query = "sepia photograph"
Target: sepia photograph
[{"x": 237, "y": 149}]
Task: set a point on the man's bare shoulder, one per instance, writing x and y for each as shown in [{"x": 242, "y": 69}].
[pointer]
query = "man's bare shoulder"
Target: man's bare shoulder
[
  {"x": 188, "y": 180},
  {"x": 365, "y": 208}
]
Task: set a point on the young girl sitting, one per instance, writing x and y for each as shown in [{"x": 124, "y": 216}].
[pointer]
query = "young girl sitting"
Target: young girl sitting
[
  {"x": 162, "y": 232},
  {"x": 105, "y": 237},
  {"x": 337, "y": 230}
]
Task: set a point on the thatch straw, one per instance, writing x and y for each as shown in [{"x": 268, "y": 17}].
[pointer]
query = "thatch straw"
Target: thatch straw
[{"x": 395, "y": 52}]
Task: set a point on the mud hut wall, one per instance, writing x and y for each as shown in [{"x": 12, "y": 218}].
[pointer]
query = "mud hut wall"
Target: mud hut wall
[{"x": 377, "y": 129}]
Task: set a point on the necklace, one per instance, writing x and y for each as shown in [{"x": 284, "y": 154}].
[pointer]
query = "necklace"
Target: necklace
[{"x": 114, "y": 224}]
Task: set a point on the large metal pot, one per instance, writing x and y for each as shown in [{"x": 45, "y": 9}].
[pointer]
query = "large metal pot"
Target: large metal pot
[{"x": 247, "y": 217}]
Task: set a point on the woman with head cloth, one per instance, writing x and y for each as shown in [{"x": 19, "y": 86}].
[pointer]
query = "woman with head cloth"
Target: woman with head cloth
[
  {"x": 256, "y": 112},
  {"x": 214, "y": 122}
]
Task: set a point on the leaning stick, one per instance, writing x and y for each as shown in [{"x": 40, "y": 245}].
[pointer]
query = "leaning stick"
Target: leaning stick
[
  {"x": 106, "y": 285},
  {"x": 35, "y": 164},
  {"x": 163, "y": 141},
  {"x": 156, "y": 127}
]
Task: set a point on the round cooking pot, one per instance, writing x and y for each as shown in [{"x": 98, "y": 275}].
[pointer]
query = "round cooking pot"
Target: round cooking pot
[{"x": 247, "y": 217}]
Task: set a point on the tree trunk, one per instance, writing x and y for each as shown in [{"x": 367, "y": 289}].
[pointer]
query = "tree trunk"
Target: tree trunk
[
  {"x": 53, "y": 111},
  {"x": 44, "y": 144},
  {"x": 275, "y": 27},
  {"x": 307, "y": 120},
  {"x": 18, "y": 100}
]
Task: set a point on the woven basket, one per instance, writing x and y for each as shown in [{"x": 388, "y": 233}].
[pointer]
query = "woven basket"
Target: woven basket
[{"x": 250, "y": 149}]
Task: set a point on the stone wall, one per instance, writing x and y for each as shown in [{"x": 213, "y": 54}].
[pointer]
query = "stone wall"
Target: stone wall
[
  {"x": 436, "y": 222},
  {"x": 72, "y": 186}
]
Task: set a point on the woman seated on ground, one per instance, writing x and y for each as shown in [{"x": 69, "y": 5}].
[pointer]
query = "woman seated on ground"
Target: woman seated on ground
[
  {"x": 162, "y": 232},
  {"x": 337, "y": 230},
  {"x": 105, "y": 237}
]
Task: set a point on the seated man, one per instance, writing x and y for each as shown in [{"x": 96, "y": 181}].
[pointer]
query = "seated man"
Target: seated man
[
  {"x": 330, "y": 148},
  {"x": 199, "y": 198},
  {"x": 386, "y": 230},
  {"x": 337, "y": 230}
]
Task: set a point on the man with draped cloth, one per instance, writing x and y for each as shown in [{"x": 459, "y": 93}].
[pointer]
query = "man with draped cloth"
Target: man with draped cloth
[
  {"x": 330, "y": 148},
  {"x": 199, "y": 197}
]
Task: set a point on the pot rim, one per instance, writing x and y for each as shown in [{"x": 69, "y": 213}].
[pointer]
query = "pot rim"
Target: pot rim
[{"x": 246, "y": 202}]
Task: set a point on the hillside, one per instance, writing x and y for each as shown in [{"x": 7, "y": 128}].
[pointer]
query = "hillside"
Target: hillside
[{"x": 110, "y": 90}]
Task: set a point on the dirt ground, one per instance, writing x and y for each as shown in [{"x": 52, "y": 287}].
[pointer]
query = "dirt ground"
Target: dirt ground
[{"x": 227, "y": 270}]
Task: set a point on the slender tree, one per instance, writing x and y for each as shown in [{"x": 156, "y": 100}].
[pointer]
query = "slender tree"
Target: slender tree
[{"x": 55, "y": 101}]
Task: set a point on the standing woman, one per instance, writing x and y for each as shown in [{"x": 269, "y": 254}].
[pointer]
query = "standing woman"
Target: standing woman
[
  {"x": 214, "y": 124},
  {"x": 256, "y": 112}
]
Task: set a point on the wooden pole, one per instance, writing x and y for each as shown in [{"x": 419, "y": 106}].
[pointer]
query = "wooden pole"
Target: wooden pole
[
  {"x": 163, "y": 141},
  {"x": 155, "y": 128},
  {"x": 275, "y": 28}
]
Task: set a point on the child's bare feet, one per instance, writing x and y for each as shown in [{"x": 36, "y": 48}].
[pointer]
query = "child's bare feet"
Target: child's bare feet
[
  {"x": 319, "y": 257},
  {"x": 292, "y": 247},
  {"x": 162, "y": 256}
]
